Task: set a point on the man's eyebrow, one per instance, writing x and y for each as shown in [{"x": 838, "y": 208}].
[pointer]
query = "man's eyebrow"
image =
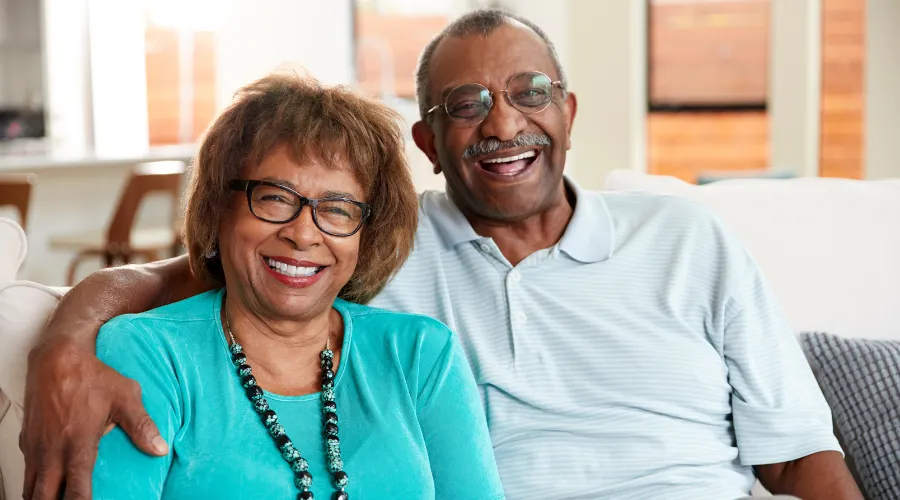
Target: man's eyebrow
[
  {"x": 451, "y": 88},
  {"x": 446, "y": 92}
]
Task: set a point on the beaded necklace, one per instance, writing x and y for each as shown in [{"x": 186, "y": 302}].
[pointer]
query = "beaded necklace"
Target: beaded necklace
[{"x": 302, "y": 477}]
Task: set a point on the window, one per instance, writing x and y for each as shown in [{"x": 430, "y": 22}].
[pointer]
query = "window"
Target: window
[
  {"x": 390, "y": 35},
  {"x": 181, "y": 78},
  {"x": 707, "y": 54}
]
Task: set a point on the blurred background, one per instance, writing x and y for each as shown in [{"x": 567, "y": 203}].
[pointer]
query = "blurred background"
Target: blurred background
[{"x": 697, "y": 89}]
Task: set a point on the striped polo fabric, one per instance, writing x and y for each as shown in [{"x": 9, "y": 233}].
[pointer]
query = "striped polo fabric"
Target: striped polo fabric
[{"x": 642, "y": 356}]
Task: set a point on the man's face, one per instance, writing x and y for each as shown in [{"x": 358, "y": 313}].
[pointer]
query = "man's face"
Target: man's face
[{"x": 486, "y": 181}]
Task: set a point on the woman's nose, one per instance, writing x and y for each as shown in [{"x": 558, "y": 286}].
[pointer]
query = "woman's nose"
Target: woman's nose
[{"x": 302, "y": 231}]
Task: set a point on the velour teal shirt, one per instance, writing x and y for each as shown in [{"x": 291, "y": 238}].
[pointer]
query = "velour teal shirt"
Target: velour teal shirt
[{"x": 411, "y": 422}]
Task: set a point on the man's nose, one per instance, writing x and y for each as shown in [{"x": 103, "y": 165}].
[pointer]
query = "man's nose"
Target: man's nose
[{"x": 503, "y": 121}]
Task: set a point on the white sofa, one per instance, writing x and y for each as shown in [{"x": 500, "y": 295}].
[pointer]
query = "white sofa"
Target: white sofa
[
  {"x": 24, "y": 308},
  {"x": 829, "y": 247}
]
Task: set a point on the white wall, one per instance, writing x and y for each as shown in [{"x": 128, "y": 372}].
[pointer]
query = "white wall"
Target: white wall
[
  {"x": 256, "y": 39},
  {"x": 21, "y": 71},
  {"x": 118, "y": 76},
  {"x": 882, "y": 87},
  {"x": 794, "y": 86},
  {"x": 96, "y": 85},
  {"x": 67, "y": 69},
  {"x": 607, "y": 70}
]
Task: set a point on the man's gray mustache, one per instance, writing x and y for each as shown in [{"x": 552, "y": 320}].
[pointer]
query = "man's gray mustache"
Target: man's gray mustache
[{"x": 492, "y": 145}]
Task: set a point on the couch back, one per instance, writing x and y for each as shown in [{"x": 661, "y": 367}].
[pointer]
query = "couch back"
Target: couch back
[
  {"x": 830, "y": 248},
  {"x": 24, "y": 309},
  {"x": 12, "y": 250},
  {"x": 12, "y": 254}
]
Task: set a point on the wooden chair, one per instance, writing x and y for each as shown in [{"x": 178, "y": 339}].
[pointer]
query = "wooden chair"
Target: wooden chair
[
  {"x": 122, "y": 242},
  {"x": 15, "y": 190}
]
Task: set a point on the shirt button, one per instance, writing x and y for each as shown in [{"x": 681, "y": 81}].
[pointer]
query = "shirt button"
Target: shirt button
[
  {"x": 485, "y": 248},
  {"x": 516, "y": 276},
  {"x": 521, "y": 318}
]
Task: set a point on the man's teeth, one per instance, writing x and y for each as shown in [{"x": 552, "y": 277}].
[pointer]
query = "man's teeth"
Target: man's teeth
[
  {"x": 292, "y": 271},
  {"x": 527, "y": 154}
]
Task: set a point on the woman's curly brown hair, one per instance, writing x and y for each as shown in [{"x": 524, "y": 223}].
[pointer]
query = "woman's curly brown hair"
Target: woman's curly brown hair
[{"x": 331, "y": 123}]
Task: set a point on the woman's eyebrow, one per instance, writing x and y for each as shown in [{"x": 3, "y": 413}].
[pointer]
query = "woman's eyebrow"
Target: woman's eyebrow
[
  {"x": 338, "y": 194},
  {"x": 326, "y": 194},
  {"x": 278, "y": 180}
]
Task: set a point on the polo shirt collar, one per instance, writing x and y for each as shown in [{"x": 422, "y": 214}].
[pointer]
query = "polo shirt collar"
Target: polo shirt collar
[
  {"x": 590, "y": 235},
  {"x": 588, "y": 238},
  {"x": 449, "y": 222}
]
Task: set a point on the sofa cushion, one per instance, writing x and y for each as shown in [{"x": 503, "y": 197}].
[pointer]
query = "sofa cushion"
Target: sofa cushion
[
  {"x": 830, "y": 248},
  {"x": 861, "y": 381},
  {"x": 25, "y": 308},
  {"x": 12, "y": 250}
]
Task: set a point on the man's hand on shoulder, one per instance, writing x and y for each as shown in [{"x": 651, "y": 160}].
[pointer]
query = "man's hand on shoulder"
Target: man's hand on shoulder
[
  {"x": 71, "y": 397},
  {"x": 71, "y": 400}
]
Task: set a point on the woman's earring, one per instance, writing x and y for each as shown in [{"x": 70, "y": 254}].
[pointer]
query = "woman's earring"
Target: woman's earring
[
  {"x": 437, "y": 167},
  {"x": 212, "y": 254}
]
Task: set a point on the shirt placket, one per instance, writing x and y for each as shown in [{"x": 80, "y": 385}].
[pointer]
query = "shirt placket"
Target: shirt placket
[{"x": 517, "y": 315}]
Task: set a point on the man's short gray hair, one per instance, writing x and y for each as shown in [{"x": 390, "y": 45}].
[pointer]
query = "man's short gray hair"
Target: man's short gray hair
[{"x": 478, "y": 22}]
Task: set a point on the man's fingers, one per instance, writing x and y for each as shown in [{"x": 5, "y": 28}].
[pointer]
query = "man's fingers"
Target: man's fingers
[
  {"x": 69, "y": 396},
  {"x": 79, "y": 472},
  {"x": 30, "y": 472},
  {"x": 135, "y": 421},
  {"x": 48, "y": 483}
]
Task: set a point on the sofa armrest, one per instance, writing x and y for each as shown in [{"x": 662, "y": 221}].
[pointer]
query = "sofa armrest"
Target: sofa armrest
[{"x": 25, "y": 308}]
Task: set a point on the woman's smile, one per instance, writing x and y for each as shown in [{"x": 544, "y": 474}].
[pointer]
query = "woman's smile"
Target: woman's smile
[{"x": 293, "y": 273}]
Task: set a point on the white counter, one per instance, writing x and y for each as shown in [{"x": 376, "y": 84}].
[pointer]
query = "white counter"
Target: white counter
[{"x": 42, "y": 161}]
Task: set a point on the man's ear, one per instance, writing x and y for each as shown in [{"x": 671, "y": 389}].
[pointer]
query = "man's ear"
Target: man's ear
[
  {"x": 423, "y": 135},
  {"x": 570, "y": 108}
]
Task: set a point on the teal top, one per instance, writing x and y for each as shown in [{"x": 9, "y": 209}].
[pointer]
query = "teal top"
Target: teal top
[{"x": 411, "y": 422}]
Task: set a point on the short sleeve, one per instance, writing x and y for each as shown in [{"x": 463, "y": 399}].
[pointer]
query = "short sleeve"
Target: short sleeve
[
  {"x": 122, "y": 471},
  {"x": 779, "y": 411},
  {"x": 454, "y": 425}
]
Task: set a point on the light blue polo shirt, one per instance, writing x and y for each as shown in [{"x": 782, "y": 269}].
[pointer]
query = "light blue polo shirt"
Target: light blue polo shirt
[{"x": 643, "y": 356}]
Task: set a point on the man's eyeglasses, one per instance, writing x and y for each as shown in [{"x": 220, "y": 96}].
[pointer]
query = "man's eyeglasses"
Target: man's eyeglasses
[
  {"x": 271, "y": 202},
  {"x": 469, "y": 104}
]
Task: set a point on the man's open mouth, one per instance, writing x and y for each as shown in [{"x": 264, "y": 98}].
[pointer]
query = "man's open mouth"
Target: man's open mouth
[{"x": 509, "y": 164}]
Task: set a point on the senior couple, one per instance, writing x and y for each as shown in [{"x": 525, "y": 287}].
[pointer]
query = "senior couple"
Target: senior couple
[{"x": 622, "y": 345}]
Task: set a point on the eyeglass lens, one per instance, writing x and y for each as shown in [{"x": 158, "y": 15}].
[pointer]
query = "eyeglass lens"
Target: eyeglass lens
[
  {"x": 276, "y": 204},
  {"x": 528, "y": 92}
]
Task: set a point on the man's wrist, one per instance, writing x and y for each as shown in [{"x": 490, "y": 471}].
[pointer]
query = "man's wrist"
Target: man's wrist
[{"x": 61, "y": 345}]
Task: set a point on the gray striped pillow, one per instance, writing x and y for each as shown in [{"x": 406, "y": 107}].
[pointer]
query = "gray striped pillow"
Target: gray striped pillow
[{"x": 861, "y": 381}]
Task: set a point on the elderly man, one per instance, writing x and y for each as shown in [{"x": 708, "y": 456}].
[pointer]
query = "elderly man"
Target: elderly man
[{"x": 625, "y": 345}]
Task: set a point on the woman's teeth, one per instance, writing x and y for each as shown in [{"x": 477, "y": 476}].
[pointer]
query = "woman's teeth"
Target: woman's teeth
[{"x": 292, "y": 271}]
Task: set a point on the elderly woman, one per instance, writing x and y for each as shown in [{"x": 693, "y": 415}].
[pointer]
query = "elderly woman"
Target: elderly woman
[{"x": 280, "y": 384}]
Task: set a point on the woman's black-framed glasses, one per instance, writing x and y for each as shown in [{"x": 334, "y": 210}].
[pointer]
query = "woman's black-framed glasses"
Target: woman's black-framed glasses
[
  {"x": 469, "y": 104},
  {"x": 272, "y": 202}
]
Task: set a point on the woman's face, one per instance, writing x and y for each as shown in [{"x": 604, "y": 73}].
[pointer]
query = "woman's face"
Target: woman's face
[{"x": 248, "y": 246}]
